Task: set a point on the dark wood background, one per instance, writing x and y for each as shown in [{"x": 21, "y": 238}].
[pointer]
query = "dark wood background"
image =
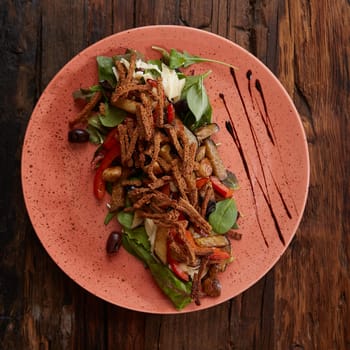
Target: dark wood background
[{"x": 303, "y": 303}]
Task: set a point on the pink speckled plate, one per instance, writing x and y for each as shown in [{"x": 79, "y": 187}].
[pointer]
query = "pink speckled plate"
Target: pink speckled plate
[{"x": 267, "y": 151}]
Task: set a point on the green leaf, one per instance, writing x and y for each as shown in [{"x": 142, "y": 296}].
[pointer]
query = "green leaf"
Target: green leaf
[
  {"x": 224, "y": 216},
  {"x": 179, "y": 59},
  {"x": 109, "y": 217},
  {"x": 127, "y": 55},
  {"x": 105, "y": 72},
  {"x": 197, "y": 99},
  {"x": 192, "y": 80},
  {"x": 95, "y": 135},
  {"x": 139, "y": 235},
  {"x": 177, "y": 291},
  {"x": 112, "y": 117},
  {"x": 86, "y": 93},
  {"x": 125, "y": 219},
  {"x": 165, "y": 54},
  {"x": 176, "y": 59}
]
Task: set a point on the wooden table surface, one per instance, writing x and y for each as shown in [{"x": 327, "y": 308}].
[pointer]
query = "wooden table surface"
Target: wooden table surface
[{"x": 304, "y": 301}]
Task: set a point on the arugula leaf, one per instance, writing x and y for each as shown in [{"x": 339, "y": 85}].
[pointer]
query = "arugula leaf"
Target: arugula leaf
[
  {"x": 86, "y": 93},
  {"x": 224, "y": 216},
  {"x": 177, "y": 59},
  {"x": 105, "y": 71},
  {"x": 165, "y": 54},
  {"x": 112, "y": 117}
]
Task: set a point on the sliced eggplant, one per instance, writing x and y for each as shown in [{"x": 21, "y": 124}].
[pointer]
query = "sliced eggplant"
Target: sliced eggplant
[
  {"x": 206, "y": 131},
  {"x": 216, "y": 161},
  {"x": 205, "y": 169},
  {"x": 200, "y": 153},
  {"x": 213, "y": 241},
  {"x": 160, "y": 244}
]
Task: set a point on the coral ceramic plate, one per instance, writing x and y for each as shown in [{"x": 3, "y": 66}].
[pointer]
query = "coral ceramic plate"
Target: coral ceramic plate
[{"x": 266, "y": 149}]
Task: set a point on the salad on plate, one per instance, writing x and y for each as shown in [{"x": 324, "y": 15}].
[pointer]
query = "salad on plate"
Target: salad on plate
[{"x": 159, "y": 168}]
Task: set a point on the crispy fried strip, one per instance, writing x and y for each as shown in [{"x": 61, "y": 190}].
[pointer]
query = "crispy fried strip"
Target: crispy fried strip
[
  {"x": 124, "y": 89},
  {"x": 124, "y": 142},
  {"x": 174, "y": 139},
  {"x": 85, "y": 112},
  {"x": 160, "y": 105},
  {"x": 208, "y": 194},
  {"x": 180, "y": 181},
  {"x": 121, "y": 70},
  {"x": 193, "y": 215},
  {"x": 132, "y": 144},
  {"x": 164, "y": 164},
  {"x": 156, "y": 148},
  {"x": 131, "y": 71},
  {"x": 196, "y": 291}
]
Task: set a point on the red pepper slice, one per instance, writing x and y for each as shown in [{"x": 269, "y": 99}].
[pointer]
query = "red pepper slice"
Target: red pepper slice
[
  {"x": 219, "y": 254},
  {"x": 220, "y": 188},
  {"x": 152, "y": 82},
  {"x": 174, "y": 265},
  {"x": 99, "y": 183},
  {"x": 171, "y": 113},
  {"x": 200, "y": 182},
  {"x": 110, "y": 139}
]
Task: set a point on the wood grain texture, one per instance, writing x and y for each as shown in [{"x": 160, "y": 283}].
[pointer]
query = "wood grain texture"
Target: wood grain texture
[{"x": 303, "y": 302}]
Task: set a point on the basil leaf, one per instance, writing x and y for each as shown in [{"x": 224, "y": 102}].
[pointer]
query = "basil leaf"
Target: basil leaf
[
  {"x": 112, "y": 117},
  {"x": 197, "y": 99},
  {"x": 105, "y": 72},
  {"x": 224, "y": 216}
]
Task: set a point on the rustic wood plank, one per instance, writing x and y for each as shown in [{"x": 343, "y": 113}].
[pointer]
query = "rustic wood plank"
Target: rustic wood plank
[
  {"x": 155, "y": 12},
  {"x": 303, "y": 303},
  {"x": 123, "y": 15},
  {"x": 314, "y": 284},
  {"x": 63, "y": 34},
  {"x": 99, "y": 20},
  {"x": 18, "y": 91}
]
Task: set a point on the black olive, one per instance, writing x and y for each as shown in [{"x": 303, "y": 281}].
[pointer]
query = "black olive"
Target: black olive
[
  {"x": 78, "y": 136},
  {"x": 114, "y": 242}
]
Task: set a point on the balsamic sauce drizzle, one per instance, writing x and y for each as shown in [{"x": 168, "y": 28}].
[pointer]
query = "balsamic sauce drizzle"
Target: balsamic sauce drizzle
[
  {"x": 232, "y": 131},
  {"x": 266, "y": 119},
  {"x": 270, "y": 132}
]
